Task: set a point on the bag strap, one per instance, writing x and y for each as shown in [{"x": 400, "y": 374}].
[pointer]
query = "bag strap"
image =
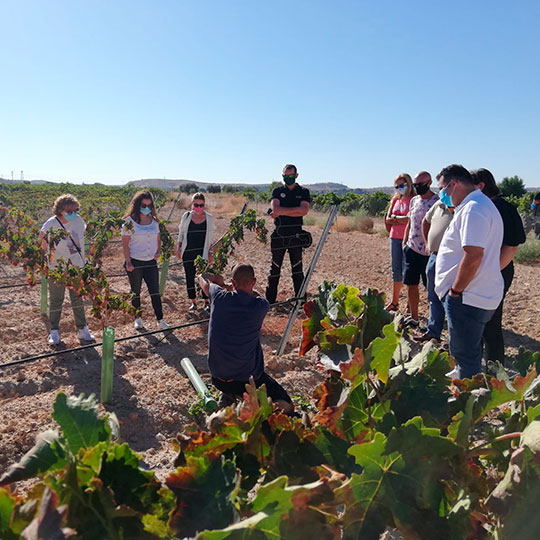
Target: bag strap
[{"x": 72, "y": 241}]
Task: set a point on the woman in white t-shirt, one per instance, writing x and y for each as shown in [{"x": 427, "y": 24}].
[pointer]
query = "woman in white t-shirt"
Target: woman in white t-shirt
[
  {"x": 66, "y": 216},
  {"x": 142, "y": 245}
]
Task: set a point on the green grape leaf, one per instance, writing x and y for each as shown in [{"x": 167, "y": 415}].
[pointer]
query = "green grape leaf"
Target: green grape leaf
[
  {"x": 46, "y": 455},
  {"x": 78, "y": 418},
  {"x": 380, "y": 352}
]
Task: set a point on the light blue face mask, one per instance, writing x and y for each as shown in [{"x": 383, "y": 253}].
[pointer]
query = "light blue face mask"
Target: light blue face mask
[
  {"x": 145, "y": 211},
  {"x": 445, "y": 198},
  {"x": 402, "y": 190},
  {"x": 71, "y": 216}
]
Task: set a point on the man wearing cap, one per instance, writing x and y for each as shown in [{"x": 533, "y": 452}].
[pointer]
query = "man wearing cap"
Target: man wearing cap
[{"x": 289, "y": 203}]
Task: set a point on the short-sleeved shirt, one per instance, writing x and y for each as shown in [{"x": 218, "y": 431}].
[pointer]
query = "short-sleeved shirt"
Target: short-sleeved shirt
[
  {"x": 67, "y": 247},
  {"x": 143, "y": 243},
  {"x": 476, "y": 223},
  {"x": 234, "y": 334},
  {"x": 514, "y": 233},
  {"x": 417, "y": 211},
  {"x": 289, "y": 198},
  {"x": 400, "y": 207},
  {"x": 439, "y": 217}
]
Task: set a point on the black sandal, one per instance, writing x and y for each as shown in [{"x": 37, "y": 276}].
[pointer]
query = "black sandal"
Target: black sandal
[{"x": 392, "y": 307}]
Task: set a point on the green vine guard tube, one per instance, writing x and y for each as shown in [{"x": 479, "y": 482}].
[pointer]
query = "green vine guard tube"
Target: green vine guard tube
[
  {"x": 107, "y": 364},
  {"x": 163, "y": 276},
  {"x": 43, "y": 296},
  {"x": 209, "y": 402}
]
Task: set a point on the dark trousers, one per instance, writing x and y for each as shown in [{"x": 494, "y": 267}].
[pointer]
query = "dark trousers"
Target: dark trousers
[
  {"x": 279, "y": 246},
  {"x": 189, "y": 269},
  {"x": 148, "y": 271},
  {"x": 493, "y": 334}
]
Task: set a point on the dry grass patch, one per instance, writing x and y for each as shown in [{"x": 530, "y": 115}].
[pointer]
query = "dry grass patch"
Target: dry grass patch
[{"x": 354, "y": 223}]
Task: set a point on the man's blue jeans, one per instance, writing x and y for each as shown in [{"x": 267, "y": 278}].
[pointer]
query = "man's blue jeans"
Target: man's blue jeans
[
  {"x": 436, "y": 308},
  {"x": 465, "y": 327}
]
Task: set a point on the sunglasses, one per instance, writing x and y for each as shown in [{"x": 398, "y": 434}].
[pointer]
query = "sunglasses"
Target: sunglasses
[
  {"x": 399, "y": 186},
  {"x": 146, "y": 205},
  {"x": 289, "y": 176},
  {"x": 197, "y": 205}
]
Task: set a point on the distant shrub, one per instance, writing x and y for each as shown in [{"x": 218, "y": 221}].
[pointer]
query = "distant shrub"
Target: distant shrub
[
  {"x": 529, "y": 251},
  {"x": 213, "y": 188},
  {"x": 373, "y": 204}
]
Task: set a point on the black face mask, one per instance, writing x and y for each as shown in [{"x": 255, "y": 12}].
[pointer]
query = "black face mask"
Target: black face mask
[
  {"x": 289, "y": 179},
  {"x": 421, "y": 189}
]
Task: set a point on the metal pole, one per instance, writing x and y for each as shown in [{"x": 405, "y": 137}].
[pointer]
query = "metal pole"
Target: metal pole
[
  {"x": 209, "y": 402},
  {"x": 307, "y": 277}
]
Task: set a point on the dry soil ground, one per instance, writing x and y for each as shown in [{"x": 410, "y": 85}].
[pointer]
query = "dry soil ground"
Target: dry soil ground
[{"x": 152, "y": 395}]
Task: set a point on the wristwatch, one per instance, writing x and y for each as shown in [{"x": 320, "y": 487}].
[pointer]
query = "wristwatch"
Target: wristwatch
[{"x": 456, "y": 293}]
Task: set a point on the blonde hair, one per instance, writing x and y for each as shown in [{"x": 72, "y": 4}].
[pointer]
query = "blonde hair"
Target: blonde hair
[
  {"x": 408, "y": 180},
  {"x": 64, "y": 201},
  {"x": 199, "y": 196}
]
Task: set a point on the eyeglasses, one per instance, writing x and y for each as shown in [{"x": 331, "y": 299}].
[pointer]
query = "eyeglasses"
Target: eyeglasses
[
  {"x": 146, "y": 205},
  {"x": 196, "y": 205},
  {"x": 289, "y": 176},
  {"x": 399, "y": 186}
]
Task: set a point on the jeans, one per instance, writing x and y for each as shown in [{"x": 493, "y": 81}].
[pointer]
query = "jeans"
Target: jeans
[
  {"x": 436, "y": 308},
  {"x": 396, "y": 253},
  {"x": 56, "y": 299},
  {"x": 493, "y": 334},
  {"x": 148, "y": 271},
  {"x": 279, "y": 247},
  {"x": 465, "y": 327}
]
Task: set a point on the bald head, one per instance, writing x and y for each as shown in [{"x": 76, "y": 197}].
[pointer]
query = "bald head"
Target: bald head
[{"x": 422, "y": 177}]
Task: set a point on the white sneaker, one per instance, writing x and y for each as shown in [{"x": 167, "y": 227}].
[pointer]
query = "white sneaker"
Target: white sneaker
[
  {"x": 54, "y": 338},
  {"x": 138, "y": 324},
  {"x": 163, "y": 324},
  {"x": 84, "y": 334},
  {"x": 453, "y": 374}
]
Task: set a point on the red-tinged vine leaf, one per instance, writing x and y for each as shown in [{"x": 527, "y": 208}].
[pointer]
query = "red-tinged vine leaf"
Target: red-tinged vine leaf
[
  {"x": 381, "y": 350},
  {"x": 78, "y": 418},
  {"x": 255, "y": 405},
  {"x": 46, "y": 455},
  {"x": 48, "y": 523},
  {"x": 280, "y": 422},
  {"x": 203, "y": 495},
  {"x": 503, "y": 391},
  {"x": 330, "y": 392},
  {"x": 354, "y": 371}
]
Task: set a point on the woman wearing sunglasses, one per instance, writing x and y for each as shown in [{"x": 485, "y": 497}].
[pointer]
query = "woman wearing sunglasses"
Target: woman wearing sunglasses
[
  {"x": 396, "y": 220},
  {"x": 194, "y": 239},
  {"x": 142, "y": 245}
]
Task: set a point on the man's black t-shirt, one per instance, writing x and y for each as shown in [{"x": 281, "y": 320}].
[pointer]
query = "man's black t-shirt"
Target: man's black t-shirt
[
  {"x": 289, "y": 198},
  {"x": 513, "y": 234}
]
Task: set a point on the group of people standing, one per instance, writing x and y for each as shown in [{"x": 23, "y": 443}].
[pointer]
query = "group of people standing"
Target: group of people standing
[
  {"x": 461, "y": 243},
  {"x": 141, "y": 246}
]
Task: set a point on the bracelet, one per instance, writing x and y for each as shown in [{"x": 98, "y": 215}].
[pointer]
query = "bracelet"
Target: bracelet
[{"x": 456, "y": 293}]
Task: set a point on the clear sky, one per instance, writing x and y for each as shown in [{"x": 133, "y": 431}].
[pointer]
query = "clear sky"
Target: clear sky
[{"x": 230, "y": 91}]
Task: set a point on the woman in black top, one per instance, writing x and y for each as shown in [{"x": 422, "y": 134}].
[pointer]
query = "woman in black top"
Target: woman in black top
[
  {"x": 513, "y": 235},
  {"x": 194, "y": 239}
]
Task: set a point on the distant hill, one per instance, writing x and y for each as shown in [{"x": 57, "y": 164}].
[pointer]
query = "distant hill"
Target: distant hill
[{"x": 317, "y": 187}]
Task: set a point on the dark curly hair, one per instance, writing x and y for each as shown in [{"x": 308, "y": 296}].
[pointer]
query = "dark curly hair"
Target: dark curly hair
[{"x": 134, "y": 209}]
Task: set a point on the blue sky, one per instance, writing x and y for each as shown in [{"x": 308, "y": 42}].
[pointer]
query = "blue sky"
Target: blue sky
[{"x": 229, "y": 91}]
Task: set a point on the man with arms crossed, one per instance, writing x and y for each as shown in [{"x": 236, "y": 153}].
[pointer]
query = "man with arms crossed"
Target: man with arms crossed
[
  {"x": 467, "y": 274},
  {"x": 289, "y": 204},
  {"x": 234, "y": 337}
]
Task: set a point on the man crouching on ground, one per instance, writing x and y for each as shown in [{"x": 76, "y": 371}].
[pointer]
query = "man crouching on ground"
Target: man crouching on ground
[{"x": 234, "y": 338}]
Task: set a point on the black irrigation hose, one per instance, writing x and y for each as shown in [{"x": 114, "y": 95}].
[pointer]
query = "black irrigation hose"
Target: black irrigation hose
[{"x": 118, "y": 340}]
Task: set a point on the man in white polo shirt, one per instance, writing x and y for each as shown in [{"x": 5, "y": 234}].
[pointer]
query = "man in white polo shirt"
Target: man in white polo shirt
[{"x": 467, "y": 275}]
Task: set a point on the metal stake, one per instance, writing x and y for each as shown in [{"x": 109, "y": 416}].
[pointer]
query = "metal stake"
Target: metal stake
[{"x": 307, "y": 277}]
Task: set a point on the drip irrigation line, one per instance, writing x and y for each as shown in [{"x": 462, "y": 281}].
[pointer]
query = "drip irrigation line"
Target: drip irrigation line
[{"x": 118, "y": 340}]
